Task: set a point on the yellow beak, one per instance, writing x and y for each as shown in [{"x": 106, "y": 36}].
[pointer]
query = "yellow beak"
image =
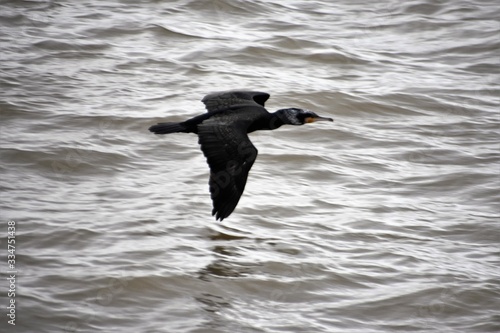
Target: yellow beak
[{"x": 314, "y": 119}]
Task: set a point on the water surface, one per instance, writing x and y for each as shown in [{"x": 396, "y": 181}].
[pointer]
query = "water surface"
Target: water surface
[{"x": 384, "y": 221}]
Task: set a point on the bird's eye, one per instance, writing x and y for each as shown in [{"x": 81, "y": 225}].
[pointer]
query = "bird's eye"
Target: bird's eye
[{"x": 302, "y": 116}]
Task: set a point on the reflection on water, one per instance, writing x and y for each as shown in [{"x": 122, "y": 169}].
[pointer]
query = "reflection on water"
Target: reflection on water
[{"x": 222, "y": 266}]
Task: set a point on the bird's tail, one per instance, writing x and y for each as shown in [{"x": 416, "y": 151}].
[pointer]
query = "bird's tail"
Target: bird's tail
[{"x": 166, "y": 128}]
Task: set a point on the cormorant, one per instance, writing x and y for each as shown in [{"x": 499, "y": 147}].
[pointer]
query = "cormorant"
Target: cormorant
[{"x": 223, "y": 136}]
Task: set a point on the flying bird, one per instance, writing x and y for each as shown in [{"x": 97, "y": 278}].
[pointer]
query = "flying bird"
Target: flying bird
[{"x": 223, "y": 135}]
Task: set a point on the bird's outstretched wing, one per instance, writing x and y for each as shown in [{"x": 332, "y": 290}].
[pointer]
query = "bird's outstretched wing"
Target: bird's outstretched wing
[
  {"x": 230, "y": 155},
  {"x": 222, "y": 100}
]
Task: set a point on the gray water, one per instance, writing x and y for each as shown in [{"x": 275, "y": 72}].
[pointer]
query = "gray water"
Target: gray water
[{"x": 386, "y": 220}]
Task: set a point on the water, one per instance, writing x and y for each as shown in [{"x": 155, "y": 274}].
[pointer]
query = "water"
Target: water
[{"x": 386, "y": 220}]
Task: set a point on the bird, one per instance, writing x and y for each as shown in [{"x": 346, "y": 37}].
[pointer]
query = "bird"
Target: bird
[{"x": 223, "y": 136}]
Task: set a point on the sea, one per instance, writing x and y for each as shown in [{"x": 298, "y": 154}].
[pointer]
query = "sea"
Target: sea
[{"x": 386, "y": 220}]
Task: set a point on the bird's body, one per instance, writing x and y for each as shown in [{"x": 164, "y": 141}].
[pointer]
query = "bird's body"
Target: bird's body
[{"x": 222, "y": 133}]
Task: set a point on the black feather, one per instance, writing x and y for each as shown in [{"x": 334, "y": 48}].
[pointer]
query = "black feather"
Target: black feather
[{"x": 166, "y": 128}]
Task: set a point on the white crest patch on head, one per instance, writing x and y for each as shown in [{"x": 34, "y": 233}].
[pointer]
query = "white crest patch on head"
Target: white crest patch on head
[{"x": 291, "y": 115}]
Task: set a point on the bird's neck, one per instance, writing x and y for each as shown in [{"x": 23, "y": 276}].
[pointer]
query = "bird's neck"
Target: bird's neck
[{"x": 270, "y": 121}]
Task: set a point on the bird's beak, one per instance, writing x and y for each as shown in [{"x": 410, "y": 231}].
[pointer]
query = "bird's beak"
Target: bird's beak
[{"x": 314, "y": 119}]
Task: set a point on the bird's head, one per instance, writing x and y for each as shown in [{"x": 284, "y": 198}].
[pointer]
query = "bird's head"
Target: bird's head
[{"x": 295, "y": 116}]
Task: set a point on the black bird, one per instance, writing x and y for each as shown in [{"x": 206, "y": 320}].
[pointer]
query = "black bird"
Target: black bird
[{"x": 223, "y": 136}]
